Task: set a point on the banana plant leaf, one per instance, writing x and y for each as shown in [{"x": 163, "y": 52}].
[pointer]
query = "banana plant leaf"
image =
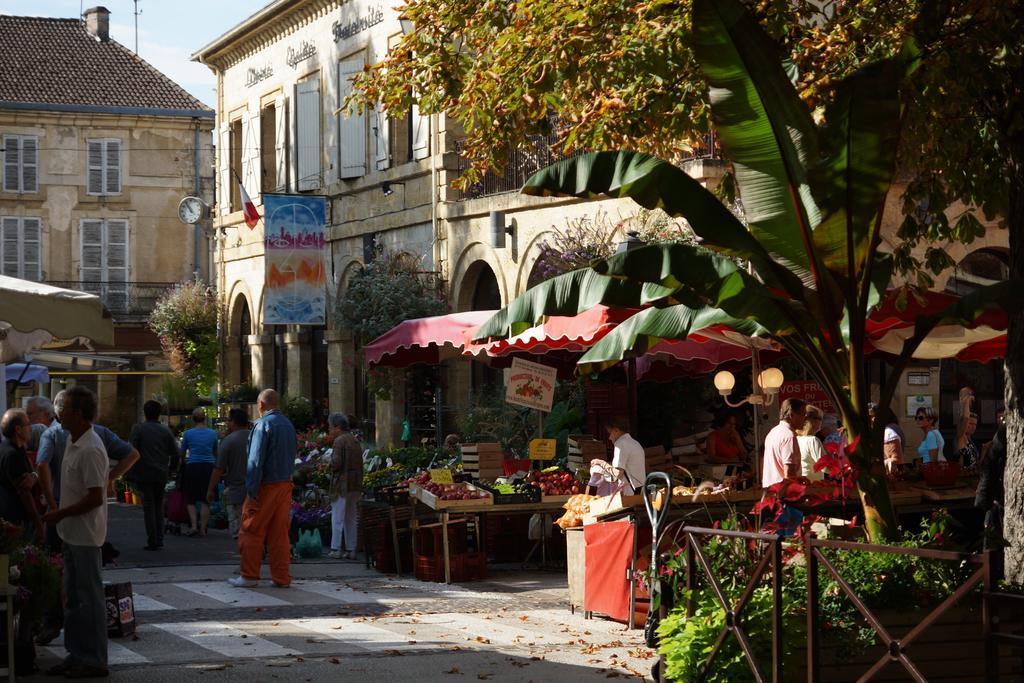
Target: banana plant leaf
[
  {"x": 766, "y": 131},
  {"x": 646, "y": 329}
]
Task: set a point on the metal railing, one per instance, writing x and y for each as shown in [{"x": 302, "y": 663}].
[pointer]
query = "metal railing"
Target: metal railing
[
  {"x": 124, "y": 300},
  {"x": 538, "y": 152}
]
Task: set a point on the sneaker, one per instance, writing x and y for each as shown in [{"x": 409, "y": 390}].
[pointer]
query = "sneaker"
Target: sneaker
[
  {"x": 281, "y": 585},
  {"x": 335, "y": 555},
  {"x": 350, "y": 555},
  {"x": 242, "y": 582},
  {"x": 47, "y": 636}
]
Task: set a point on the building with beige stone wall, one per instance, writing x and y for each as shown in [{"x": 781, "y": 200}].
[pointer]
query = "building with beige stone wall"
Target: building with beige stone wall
[
  {"x": 282, "y": 76},
  {"x": 98, "y": 148}
]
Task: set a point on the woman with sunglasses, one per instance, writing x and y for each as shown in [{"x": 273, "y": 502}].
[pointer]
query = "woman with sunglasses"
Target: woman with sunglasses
[{"x": 930, "y": 449}]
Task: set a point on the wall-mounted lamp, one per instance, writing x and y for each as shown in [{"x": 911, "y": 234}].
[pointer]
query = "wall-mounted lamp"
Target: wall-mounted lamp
[
  {"x": 388, "y": 188},
  {"x": 769, "y": 381},
  {"x": 499, "y": 229}
]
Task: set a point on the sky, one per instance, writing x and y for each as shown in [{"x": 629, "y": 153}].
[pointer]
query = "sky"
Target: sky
[{"x": 169, "y": 30}]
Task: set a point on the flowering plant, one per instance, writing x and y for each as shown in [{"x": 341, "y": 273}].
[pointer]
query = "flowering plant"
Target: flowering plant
[
  {"x": 312, "y": 517},
  {"x": 37, "y": 573}
]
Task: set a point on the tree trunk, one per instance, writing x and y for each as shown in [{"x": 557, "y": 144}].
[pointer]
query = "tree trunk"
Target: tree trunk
[
  {"x": 872, "y": 484},
  {"x": 1013, "y": 523}
]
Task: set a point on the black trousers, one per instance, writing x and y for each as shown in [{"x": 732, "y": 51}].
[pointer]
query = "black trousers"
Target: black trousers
[{"x": 153, "y": 510}]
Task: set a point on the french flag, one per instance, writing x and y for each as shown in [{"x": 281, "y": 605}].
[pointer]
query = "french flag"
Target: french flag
[{"x": 252, "y": 217}]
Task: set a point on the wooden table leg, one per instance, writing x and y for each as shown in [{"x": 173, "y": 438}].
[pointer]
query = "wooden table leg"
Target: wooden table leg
[
  {"x": 444, "y": 546},
  {"x": 394, "y": 541}
]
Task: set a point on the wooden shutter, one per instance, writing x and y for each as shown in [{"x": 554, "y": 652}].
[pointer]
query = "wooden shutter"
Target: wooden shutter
[
  {"x": 281, "y": 141},
  {"x": 224, "y": 169},
  {"x": 112, "y": 167},
  {"x": 12, "y": 164},
  {"x": 307, "y": 123},
  {"x": 420, "y": 134},
  {"x": 382, "y": 138},
  {"x": 116, "y": 264},
  {"x": 95, "y": 162},
  {"x": 30, "y": 164},
  {"x": 351, "y": 126},
  {"x": 251, "y": 157},
  {"x": 90, "y": 269},
  {"x": 9, "y": 246},
  {"x": 31, "y": 249}
]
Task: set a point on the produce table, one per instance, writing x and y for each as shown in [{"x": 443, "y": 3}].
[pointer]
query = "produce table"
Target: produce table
[{"x": 476, "y": 511}]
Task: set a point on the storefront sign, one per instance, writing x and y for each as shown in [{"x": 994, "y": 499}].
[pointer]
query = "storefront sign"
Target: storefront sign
[
  {"x": 255, "y": 74},
  {"x": 543, "y": 449},
  {"x": 916, "y": 402},
  {"x": 295, "y": 289},
  {"x": 304, "y": 52},
  {"x": 347, "y": 29},
  {"x": 441, "y": 476},
  {"x": 807, "y": 391},
  {"x": 531, "y": 385}
]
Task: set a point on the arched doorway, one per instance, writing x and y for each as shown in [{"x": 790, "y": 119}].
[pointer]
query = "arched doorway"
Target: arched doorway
[
  {"x": 482, "y": 293},
  {"x": 244, "y": 350}
]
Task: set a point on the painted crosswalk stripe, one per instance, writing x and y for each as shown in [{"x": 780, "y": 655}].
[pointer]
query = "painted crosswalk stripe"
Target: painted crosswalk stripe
[
  {"x": 230, "y": 595},
  {"x": 144, "y": 603},
  {"x": 493, "y": 630},
  {"x": 357, "y": 633},
  {"x": 339, "y": 592},
  {"x": 226, "y": 640},
  {"x": 117, "y": 654}
]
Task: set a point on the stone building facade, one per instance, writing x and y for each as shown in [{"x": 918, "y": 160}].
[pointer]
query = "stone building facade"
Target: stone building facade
[
  {"x": 282, "y": 76},
  {"x": 98, "y": 148}
]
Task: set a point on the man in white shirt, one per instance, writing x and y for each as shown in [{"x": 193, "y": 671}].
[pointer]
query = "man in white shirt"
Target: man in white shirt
[
  {"x": 82, "y": 524},
  {"x": 628, "y": 462},
  {"x": 781, "y": 450}
]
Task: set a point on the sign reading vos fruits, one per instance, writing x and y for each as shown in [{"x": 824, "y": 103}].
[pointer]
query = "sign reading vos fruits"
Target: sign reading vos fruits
[{"x": 807, "y": 391}]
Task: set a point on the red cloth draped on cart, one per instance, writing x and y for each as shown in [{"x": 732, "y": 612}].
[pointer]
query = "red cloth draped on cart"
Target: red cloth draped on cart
[{"x": 609, "y": 551}]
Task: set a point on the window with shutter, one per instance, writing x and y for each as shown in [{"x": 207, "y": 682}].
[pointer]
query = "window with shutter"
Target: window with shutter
[
  {"x": 420, "y": 134},
  {"x": 381, "y": 133},
  {"x": 268, "y": 149},
  {"x": 21, "y": 247},
  {"x": 9, "y": 247},
  {"x": 104, "y": 264},
  {"x": 307, "y": 125},
  {"x": 104, "y": 166},
  {"x": 281, "y": 143},
  {"x": 351, "y": 125},
  {"x": 21, "y": 163}
]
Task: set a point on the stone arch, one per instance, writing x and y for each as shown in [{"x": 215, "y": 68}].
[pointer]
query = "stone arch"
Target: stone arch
[
  {"x": 238, "y": 298},
  {"x": 467, "y": 272},
  {"x": 994, "y": 238},
  {"x": 532, "y": 254}
]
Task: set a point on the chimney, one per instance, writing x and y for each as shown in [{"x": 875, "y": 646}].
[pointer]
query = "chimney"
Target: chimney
[{"x": 97, "y": 23}]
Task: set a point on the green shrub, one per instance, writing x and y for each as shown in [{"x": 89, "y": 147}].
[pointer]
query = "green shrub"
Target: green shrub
[{"x": 299, "y": 410}]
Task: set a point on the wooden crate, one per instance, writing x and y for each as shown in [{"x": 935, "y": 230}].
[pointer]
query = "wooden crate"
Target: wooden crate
[
  {"x": 483, "y": 460},
  {"x": 433, "y": 502}
]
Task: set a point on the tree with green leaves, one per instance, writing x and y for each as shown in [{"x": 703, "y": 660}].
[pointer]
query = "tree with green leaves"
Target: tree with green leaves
[{"x": 814, "y": 197}]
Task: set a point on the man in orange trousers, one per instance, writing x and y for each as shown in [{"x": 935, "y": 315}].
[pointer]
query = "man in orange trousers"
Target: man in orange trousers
[{"x": 268, "y": 487}]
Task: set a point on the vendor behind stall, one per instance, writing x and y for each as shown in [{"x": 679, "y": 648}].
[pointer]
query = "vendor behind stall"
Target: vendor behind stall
[{"x": 628, "y": 466}]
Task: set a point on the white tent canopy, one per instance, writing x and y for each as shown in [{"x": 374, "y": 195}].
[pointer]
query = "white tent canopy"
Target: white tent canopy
[{"x": 33, "y": 314}]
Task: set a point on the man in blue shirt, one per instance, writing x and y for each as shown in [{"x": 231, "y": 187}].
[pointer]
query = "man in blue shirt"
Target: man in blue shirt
[
  {"x": 199, "y": 448},
  {"x": 268, "y": 487}
]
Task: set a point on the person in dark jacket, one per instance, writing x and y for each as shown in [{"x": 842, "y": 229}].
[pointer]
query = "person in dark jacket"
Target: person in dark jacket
[{"x": 158, "y": 451}]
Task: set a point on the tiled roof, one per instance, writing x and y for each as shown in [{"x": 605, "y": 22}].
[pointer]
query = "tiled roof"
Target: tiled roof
[{"x": 57, "y": 62}]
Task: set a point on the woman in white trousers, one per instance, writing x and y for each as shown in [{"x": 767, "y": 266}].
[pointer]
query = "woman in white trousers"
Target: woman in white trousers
[{"x": 346, "y": 487}]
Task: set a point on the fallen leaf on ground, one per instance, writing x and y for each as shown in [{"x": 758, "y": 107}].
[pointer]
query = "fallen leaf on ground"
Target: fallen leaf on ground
[
  {"x": 334, "y": 660},
  {"x": 524, "y": 618},
  {"x": 481, "y": 639},
  {"x": 393, "y": 653},
  {"x": 455, "y": 671},
  {"x": 484, "y": 677}
]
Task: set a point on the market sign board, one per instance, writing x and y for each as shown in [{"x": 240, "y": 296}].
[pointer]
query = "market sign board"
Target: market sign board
[
  {"x": 441, "y": 476},
  {"x": 807, "y": 391},
  {"x": 543, "y": 449},
  {"x": 530, "y": 385},
  {"x": 295, "y": 288}
]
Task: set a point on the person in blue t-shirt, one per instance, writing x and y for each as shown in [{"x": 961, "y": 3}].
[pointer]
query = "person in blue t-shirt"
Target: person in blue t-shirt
[{"x": 199, "y": 449}]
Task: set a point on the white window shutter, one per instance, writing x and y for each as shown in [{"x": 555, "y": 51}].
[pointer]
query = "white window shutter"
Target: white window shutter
[
  {"x": 420, "y": 133},
  {"x": 9, "y": 246},
  {"x": 382, "y": 138},
  {"x": 307, "y": 122},
  {"x": 112, "y": 167},
  {"x": 351, "y": 126},
  {"x": 251, "y": 156},
  {"x": 116, "y": 266},
  {"x": 90, "y": 268},
  {"x": 12, "y": 165},
  {"x": 95, "y": 162},
  {"x": 281, "y": 141},
  {"x": 30, "y": 164},
  {"x": 31, "y": 249},
  {"x": 224, "y": 169}
]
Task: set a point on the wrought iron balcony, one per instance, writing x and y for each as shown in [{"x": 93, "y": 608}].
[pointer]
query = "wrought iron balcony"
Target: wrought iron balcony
[
  {"x": 126, "y": 301},
  {"x": 538, "y": 152}
]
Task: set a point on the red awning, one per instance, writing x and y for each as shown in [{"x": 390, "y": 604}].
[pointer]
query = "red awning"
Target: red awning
[
  {"x": 575, "y": 333},
  {"x": 424, "y": 340}
]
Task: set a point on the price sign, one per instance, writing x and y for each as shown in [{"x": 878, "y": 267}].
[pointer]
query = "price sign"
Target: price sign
[
  {"x": 543, "y": 449},
  {"x": 441, "y": 476}
]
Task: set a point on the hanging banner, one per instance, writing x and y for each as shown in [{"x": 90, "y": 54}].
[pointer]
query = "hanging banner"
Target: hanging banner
[
  {"x": 294, "y": 292},
  {"x": 531, "y": 385}
]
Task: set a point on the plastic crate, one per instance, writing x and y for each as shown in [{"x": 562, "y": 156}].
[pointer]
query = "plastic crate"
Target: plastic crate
[
  {"x": 430, "y": 543},
  {"x": 531, "y": 495}
]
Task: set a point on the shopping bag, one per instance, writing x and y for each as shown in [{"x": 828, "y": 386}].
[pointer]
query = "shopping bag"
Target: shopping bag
[
  {"x": 175, "y": 507},
  {"x": 310, "y": 544}
]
